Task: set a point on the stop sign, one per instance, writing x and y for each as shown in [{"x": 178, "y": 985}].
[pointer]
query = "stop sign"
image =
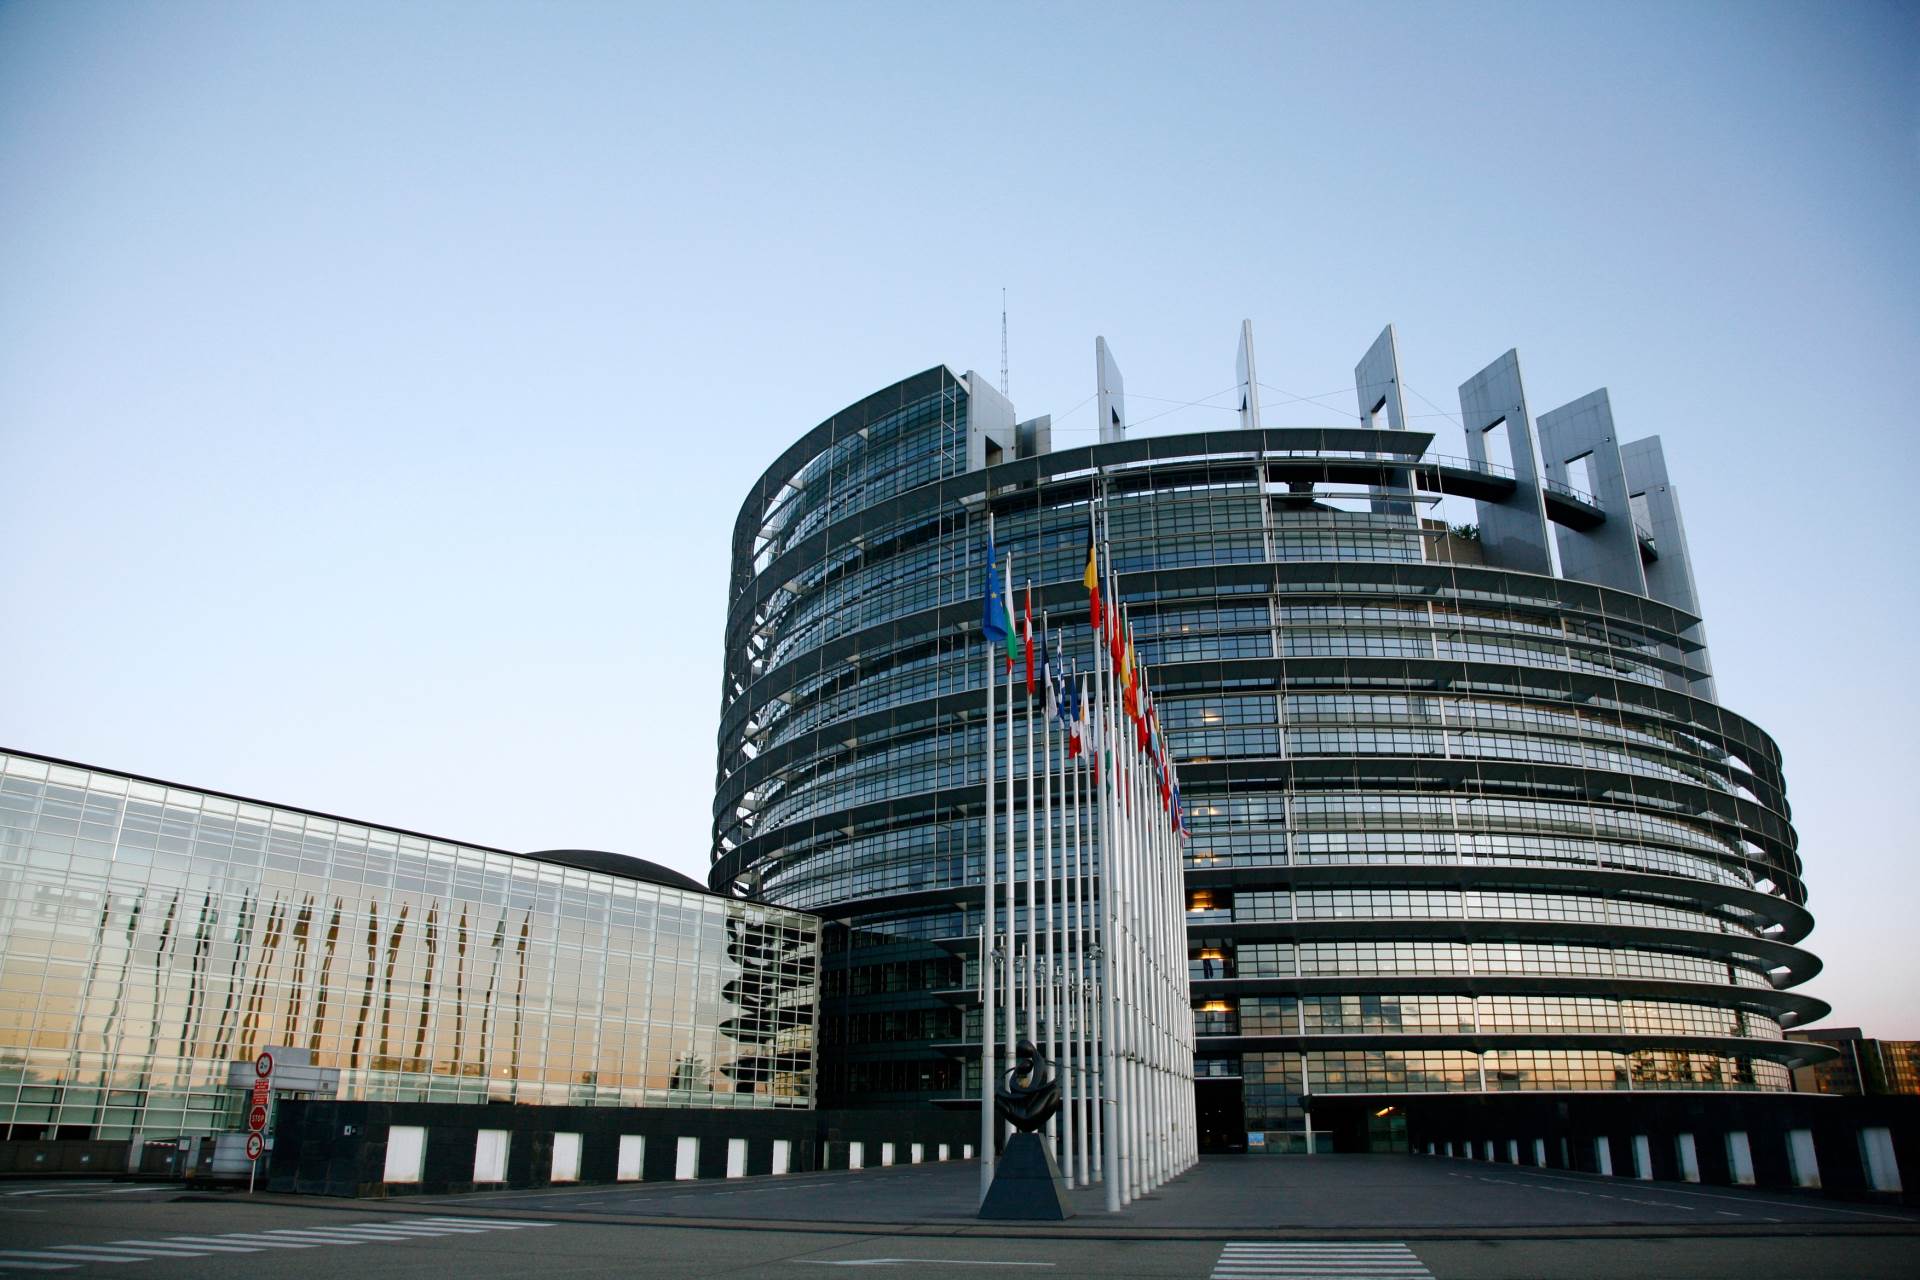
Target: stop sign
[{"x": 257, "y": 1118}]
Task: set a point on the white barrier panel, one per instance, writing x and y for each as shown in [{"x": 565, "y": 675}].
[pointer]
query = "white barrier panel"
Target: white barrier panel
[
  {"x": 1801, "y": 1158},
  {"x": 490, "y": 1155},
  {"x": 1603, "y": 1155},
  {"x": 566, "y": 1157},
  {"x": 1642, "y": 1157},
  {"x": 782, "y": 1155},
  {"x": 632, "y": 1158},
  {"x": 1876, "y": 1153},
  {"x": 406, "y": 1149},
  {"x": 1689, "y": 1158},
  {"x": 916, "y": 1153},
  {"x": 1513, "y": 1151},
  {"x": 856, "y": 1155},
  {"x": 886, "y": 1154},
  {"x": 1540, "y": 1153},
  {"x": 943, "y": 1153},
  {"x": 686, "y": 1159},
  {"x": 1739, "y": 1158},
  {"x": 736, "y": 1157}
]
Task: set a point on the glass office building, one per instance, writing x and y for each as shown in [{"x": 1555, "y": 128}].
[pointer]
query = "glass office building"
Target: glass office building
[
  {"x": 1467, "y": 815},
  {"x": 151, "y": 934}
]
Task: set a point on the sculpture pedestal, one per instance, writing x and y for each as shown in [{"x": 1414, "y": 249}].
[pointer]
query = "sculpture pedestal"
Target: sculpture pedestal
[{"x": 1027, "y": 1185}]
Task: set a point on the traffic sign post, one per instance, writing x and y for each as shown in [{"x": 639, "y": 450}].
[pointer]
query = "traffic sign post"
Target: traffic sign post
[{"x": 261, "y": 1099}]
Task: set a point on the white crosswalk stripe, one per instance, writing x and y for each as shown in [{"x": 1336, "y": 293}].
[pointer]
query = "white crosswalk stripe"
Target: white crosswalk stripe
[
  {"x": 1318, "y": 1260},
  {"x": 65, "y": 1257}
]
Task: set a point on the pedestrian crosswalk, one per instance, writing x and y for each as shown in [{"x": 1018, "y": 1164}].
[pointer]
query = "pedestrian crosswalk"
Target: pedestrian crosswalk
[
  {"x": 65, "y": 1257},
  {"x": 1318, "y": 1260}
]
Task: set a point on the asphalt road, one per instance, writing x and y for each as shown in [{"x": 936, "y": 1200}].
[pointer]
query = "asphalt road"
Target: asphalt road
[
  {"x": 136, "y": 1230},
  {"x": 1257, "y": 1193}
]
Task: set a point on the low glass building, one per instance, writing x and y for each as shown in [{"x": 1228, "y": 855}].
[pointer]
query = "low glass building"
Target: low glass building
[{"x": 151, "y": 934}]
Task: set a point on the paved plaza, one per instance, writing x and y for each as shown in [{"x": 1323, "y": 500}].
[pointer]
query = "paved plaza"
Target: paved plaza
[
  {"x": 1227, "y": 1194},
  {"x": 1325, "y": 1218}
]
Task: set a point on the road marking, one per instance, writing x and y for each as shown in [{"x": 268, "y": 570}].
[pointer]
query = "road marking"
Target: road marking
[
  {"x": 915, "y": 1262},
  {"x": 171, "y": 1246},
  {"x": 260, "y": 1242},
  {"x": 1318, "y": 1260},
  {"x": 62, "y": 1257}
]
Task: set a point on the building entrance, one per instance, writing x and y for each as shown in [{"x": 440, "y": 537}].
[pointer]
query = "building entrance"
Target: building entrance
[{"x": 1222, "y": 1116}]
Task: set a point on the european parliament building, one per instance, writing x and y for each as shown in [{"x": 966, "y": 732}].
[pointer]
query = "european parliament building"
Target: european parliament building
[{"x": 1468, "y": 821}]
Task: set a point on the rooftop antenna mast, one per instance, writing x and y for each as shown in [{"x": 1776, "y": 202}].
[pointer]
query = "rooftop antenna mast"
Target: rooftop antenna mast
[{"x": 1003, "y": 342}]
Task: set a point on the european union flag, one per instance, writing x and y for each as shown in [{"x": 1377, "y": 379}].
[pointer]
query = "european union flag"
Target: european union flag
[{"x": 994, "y": 624}]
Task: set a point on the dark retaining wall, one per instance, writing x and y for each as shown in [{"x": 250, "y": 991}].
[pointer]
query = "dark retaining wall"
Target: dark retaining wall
[
  {"x": 340, "y": 1148},
  {"x": 1570, "y": 1123}
]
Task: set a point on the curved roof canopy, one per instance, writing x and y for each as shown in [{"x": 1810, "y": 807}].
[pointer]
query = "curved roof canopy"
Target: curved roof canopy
[{"x": 623, "y": 865}]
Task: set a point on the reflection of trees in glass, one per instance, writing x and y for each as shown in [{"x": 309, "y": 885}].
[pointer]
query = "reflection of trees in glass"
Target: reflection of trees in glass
[
  {"x": 775, "y": 963},
  {"x": 690, "y": 1072}
]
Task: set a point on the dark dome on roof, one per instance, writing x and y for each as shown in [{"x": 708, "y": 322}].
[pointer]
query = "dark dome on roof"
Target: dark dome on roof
[{"x": 624, "y": 865}]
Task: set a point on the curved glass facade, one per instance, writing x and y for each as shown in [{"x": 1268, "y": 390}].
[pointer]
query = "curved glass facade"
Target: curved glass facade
[
  {"x": 1456, "y": 827},
  {"x": 151, "y": 935}
]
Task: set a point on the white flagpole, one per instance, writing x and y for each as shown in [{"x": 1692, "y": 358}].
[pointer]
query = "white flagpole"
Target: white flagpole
[
  {"x": 1114, "y": 874},
  {"x": 1049, "y": 959},
  {"x": 1078, "y": 941},
  {"x": 1109, "y": 1117},
  {"x": 1032, "y": 954},
  {"x": 1011, "y": 992},
  {"x": 1073, "y": 1137},
  {"x": 988, "y": 979},
  {"x": 1093, "y": 1168}
]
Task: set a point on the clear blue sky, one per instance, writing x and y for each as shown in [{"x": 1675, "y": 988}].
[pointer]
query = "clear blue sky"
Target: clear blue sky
[{"x": 378, "y": 383}]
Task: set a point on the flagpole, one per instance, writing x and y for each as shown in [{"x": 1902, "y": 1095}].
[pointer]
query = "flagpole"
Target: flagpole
[
  {"x": 1050, "y": 971},
  {"x": 1082, "y": 1047},
  {"x": 1032, "y": 953},
  {"x": 1108, "y": 1115},
  {"x": 1011, "y": 992},
  {"x": 988, "y": 933},
  {"x": 1070, "y": 1135}
]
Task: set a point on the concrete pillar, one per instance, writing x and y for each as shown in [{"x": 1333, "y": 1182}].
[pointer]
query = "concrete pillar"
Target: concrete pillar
[
  {"x": 1603, "y": 1156},
  {"x": 1642, "y": 1157},
  {"x": 1513, "y": 534},
  {"x": 1539, "y": 1153},
  {"x": 1609, "y": 554},
  {"x": 1655, "y": 504},
  {"x": 1376, "y": 384},
  {"x": 1110, "y": 394},
  {"x": 1513, "y": 1151}
]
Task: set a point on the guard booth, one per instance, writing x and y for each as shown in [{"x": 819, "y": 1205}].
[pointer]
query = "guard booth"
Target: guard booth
[{"x": 277, "y": 1073}]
